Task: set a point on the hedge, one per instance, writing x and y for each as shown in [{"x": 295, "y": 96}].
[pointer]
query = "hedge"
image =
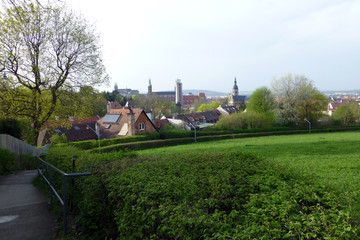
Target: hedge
[
  {"x": 9, "y": 162},
  {"x": 206, "y": 195}
]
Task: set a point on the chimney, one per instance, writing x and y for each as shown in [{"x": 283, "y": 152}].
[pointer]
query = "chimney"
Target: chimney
[
  {"x": 131, "y": 122},
  {"x": 152, "y": 115}
]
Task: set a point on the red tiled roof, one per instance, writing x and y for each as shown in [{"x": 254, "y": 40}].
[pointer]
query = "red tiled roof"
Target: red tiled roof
[
  {"x": 112, "y": 130},
  {"x": 202, "y": 95},
  {"x": 161, "y": 123},
  {"x": 114, "y": 105},
  {"x": 190, "y": 97},
  {"x": 334, "y": 105},
  {"x": 74, "y": 130}
]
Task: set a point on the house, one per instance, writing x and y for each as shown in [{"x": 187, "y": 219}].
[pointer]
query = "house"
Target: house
[
  {"x": 192, "y": 118},
  {"x": 161, "y": 123},
  {"x": 202, "y": 97},
  {"x": 332, "y": 106},
  {"x": 113, "y": 105},
  {"x": 211, "y": 116},
  {"x": 227, "y": 110},
  {"x": 166, "y": 96},
  {"x": 126, "y": 92},
  {"x": 75, "y": 130},
  {"x": 125, "y": 122},
  {"x": 179, "y": 124},
  {"x": 190, "y": 99}
]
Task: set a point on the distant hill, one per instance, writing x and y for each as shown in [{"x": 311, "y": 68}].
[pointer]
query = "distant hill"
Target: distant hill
[
  {"x": 209, "y": 93},
  {"x": 341, "y": 92}
]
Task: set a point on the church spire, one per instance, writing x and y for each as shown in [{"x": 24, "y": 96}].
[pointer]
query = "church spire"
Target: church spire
[
  {"x": 235, "y": 88},
  {"x": 149, "y": 87}
]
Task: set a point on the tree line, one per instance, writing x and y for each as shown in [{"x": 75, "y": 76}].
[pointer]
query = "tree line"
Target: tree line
[{"x": 291, "y": 101}]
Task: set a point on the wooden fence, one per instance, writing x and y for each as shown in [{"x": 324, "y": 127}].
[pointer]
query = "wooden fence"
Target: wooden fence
[{"x": 17, "y": 146}]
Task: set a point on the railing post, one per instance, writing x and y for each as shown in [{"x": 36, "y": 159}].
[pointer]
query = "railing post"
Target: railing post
[
  {"x": 51, "y": 183},
  {"x": 37, "y": 165},
  {"x": 42, "y": 173},
  {"x": 65, "y": 205},
  {"x": 64, "y": 200}
]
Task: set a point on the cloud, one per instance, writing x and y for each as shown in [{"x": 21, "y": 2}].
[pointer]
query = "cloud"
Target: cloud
[{"x": 207, "y": 42}]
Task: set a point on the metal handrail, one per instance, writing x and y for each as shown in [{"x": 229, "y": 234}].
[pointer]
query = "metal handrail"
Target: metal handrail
[{"x": 63, "y": 199}]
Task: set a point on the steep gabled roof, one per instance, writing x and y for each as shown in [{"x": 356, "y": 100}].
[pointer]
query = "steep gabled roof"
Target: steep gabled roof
[
  {"x": 112, "y": 130},
  {"x": 74, "y": 130},
  {"x": 161, "y": 123},
  {"x": 228, "y": 109},
  {"x": 114, "y": 105},
  {"x": 334, "y": 105},
  {"x": 239, "y": 98},
  {"x": 202, "y": 95},
  {"x": 211, "y": 116}
]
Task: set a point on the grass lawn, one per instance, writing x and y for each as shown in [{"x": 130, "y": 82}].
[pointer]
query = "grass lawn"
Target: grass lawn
[{"x": 334, "y": 158}]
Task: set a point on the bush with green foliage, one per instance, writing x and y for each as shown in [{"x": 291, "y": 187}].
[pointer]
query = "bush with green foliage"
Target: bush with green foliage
[
  {"x": 89, "y": 195},
  {"x": 11, "y": 127},
  {"x": 20, "y": 129},
  {"x": 245, "y": 120},
  {"x": 26, "y": 162},
  {"x": 7, "y": 161},
  {"x": 90, "y": 144},
  {"x": 208, "y": 106},
  {"x": 222, "y": 196},
  {"x": 55, "y": 139},
  {"x": 348, "y": 113},
  {"x": 199, "y": 195}
]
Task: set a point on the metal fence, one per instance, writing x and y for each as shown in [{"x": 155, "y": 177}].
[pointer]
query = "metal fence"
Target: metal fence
[{"x": 46, "y": 171}]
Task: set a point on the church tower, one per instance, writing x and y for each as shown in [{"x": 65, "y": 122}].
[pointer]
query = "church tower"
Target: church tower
[
  {"x": 235, "y": 89},
  {"x": 149, "y": 87},
  {"x": 116, "y": 87}
]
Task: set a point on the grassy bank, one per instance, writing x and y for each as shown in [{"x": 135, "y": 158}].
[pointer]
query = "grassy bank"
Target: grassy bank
[{"x": 298, "y": 186}]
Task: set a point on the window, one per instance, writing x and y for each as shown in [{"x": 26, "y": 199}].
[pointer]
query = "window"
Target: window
[{"x": 142, "y": 126}]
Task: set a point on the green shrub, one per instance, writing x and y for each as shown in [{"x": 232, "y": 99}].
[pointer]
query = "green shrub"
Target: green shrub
[
  {"x": 58, "y": 138},
  {"x": 143, "y": 145},
  {"x": 11, "y": 127},
  {"x": 245, "y": 120},
  {"x": 89, "y": 200},
  {"x": 26, "y": 162},
  {"x": 85, "y": 145},
  {"x": 7, "y": 161},
  {"x": 201, "y": 195},
  {"x": 222, "y": 196}
]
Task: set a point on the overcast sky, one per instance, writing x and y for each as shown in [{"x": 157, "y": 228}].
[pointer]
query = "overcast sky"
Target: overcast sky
[{"x": 206, "y": 43}]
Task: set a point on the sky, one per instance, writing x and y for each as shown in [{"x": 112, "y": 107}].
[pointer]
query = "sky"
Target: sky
[{"x": 207, "y": 43}]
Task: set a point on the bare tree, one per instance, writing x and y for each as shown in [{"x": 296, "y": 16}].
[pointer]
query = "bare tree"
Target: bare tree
[{"x": 47, "y": 50}]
